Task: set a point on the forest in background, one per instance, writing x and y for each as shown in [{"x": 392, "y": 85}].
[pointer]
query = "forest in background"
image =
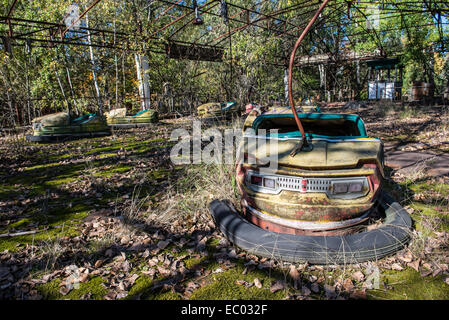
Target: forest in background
[{"x": 37, "y": 78}]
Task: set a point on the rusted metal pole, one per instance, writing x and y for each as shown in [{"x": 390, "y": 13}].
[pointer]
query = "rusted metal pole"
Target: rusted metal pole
[
  {"x": 11, "y": 9},
  {"x": 290, "y": 76},
  {"x": 165, "y": 11},
  {"x": 231, "y": 31},
  {"x": 172, "y": 22}
]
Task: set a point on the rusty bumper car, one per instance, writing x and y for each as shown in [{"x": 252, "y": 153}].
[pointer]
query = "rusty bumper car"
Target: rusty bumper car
[
  {"x": 60, "y": 127},
  {"x": 319, "y": 204},
  {"x": 118, "y": 118},
  {"x": 218, "y": 111}
]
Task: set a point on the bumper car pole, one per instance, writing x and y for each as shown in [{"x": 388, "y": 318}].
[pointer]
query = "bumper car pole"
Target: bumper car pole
[{"x": 303, "y": 142}]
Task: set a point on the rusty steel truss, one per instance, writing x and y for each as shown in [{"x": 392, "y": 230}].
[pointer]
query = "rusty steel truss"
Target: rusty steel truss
[{"x": 176, "y": 16}]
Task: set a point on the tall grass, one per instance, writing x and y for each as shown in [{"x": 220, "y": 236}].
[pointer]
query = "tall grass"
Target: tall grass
[
  {"x": 188, "y": 197},
  {"x": 195, "y": 186}
]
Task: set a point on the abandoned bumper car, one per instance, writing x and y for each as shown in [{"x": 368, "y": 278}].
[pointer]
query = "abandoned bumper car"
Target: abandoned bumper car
[
  {"x": 217, "y": 110},
  {"x": 320, "y": 203},
  {"x": 59, "y": 126},
  {"x": 117, "y": 118}
]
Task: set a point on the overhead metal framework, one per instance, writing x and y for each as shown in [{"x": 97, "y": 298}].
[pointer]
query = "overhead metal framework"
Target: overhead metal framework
[
  {"x": 344, "y": 20},
  {"x": 344, "y": 33}
]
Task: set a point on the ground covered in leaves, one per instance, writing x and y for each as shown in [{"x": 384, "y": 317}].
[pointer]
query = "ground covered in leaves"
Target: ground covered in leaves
[{"x": 113, "y": 218}]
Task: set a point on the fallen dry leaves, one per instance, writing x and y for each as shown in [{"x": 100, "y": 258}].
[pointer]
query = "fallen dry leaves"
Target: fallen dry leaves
[{"x": 118, "y": 261}]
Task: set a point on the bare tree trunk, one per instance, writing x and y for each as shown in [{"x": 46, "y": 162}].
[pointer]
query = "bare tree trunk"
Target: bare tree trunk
[
  {"x": 27, "y": 82},
  {"x": 357, "y": 93},
  {"x": 286, "y": 85},
  {"x": 10, "y": 105},
  {"x": 71, "y": 89},
  {"x": 116, "y": 69},
  {"x": 139, "y": 77},
  {"x": 10, "y": 98},
  {"x": 116, "y": 80},
  {"x": 146, "y": 82},
  {"x": 62, "y": 91},
  {"x": 69, "y": 79},
  {"x": 322, "y": 72},
  {"x": 123, "y": 79},
  {"x": 94, "y": 74},
  {"x": 143, "y": 69}
]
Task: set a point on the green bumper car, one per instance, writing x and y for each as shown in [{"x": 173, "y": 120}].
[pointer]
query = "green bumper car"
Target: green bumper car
[
  {"x": 218, "y": 110},
  {"x": 117, "y": 118},
  {"x": 59, "y": 127}
]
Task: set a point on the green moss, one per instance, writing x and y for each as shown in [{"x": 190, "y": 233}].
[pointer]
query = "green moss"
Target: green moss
[
  {"x": 107, "y": 155},
  {"x": 117, "y": 169},
  {"x": 191, "y": 262},
  {"x": 432, "y": 207},
  {"x": 155, "y": 140},
  {"x": 20, "y": 223},
  {"x": 12, "y": 244},
  {"x": 224, "y": 286},
  {"x": 61, "y": 222},
  {"x": 141, "y": 284},
  {"x": 168, "y": 295},
  {"x": 139, "y": 148},
  {"x": 39, "y": 179},
  {"x": 410, "y": 285},
  {"x": 145, "y": 146},
  {"x": 47, "y": 173},
  {"x": 440, "y": 221},
  {"x": 62, "y": 180},
  {"x": 440, "y": 188},
  {"x": 6, "y": 190},
  {"x": 159, "y": 174},
  {"x": 94, "y": 286},
  {"x": 41, "y": 166},
  {"x": 143, "y": 289},
  {"x": 78, "y": 211},
  {"x": 113, "y": 147},
  {"x": 59, "y": 156},
  {"x": 213, "y": 243},
  {"x": 424, "y": 209}
]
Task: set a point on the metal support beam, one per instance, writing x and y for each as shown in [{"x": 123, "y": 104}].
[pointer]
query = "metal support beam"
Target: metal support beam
[
  {"x": 165, "y": 11},
  {"x": 290, "y": 78},
  {"x": 11, "y": 9}
]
